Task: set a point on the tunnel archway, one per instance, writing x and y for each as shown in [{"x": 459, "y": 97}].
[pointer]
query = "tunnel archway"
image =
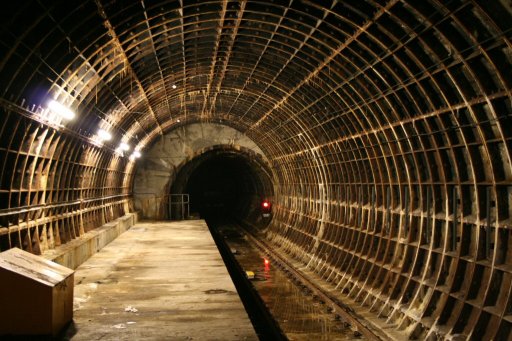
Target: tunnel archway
[
  {"x": 224, "y": 182},
  {"x": 386, "y": 124}
]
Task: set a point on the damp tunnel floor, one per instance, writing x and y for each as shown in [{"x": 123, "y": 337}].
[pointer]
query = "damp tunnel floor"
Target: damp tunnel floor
[
  {"x": 300, "y": 315},
  {"x": 158, "y": 281},
  {"x": 167, "y": 280}
]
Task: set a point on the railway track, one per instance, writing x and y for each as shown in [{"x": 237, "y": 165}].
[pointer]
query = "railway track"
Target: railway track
[
  {"x": 264, "y": 324},
  {"x": 262, "y": 319},
  {"x": 342, "y": 311}
]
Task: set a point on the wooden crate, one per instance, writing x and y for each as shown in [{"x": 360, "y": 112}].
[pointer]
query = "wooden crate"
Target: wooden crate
[{"x": 36, "y": 294}]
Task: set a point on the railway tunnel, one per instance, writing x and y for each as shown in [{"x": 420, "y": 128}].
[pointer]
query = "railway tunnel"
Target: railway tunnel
[{"x": 379, "y": 129}]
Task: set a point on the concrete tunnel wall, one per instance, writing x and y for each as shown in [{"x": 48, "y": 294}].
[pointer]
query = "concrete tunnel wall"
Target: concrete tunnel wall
[
  {"x": 386, "y": 125},
  {"x": 226, "y": 183},
  {"x": 154, "y": 178}
]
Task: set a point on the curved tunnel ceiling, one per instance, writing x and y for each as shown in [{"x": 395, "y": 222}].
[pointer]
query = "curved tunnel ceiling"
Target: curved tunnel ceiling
[
  {"x": 271, "y": 69},
  {"x": 387, "y": 124}
]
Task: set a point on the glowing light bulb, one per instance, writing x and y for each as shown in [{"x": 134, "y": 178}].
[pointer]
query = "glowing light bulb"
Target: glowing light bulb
[
  {"x": 104, "y": 135},
  {"x": 61, "y": 110}
]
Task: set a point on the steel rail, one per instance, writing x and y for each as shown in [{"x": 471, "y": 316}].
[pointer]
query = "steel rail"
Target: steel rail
[{"x": 338, "y": 308}]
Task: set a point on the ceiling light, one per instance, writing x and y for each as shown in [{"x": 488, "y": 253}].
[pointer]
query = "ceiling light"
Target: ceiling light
[
  {"x": 124, "y": 146},
  {"x": 136, "y": 154},
  {"x": 174, "y": 86},
  {"x": 61, "y": 110},
  {"x": 104, "y": 135}
]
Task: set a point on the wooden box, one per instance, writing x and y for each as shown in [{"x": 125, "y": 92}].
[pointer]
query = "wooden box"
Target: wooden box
[{"x": 36, "y": 295}]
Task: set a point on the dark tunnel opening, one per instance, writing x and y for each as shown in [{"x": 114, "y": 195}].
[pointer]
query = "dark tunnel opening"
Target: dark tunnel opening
[
  {"x": 225, "y": 185},
  {"x": 218, "y": 186}
]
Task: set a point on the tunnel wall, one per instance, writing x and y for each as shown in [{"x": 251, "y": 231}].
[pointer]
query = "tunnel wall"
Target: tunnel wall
[
  {"x": 411, "y": 221},
  {"x": 156, "y": 173},
  {"x": 386, "y": 123},
  {"x": 404, "y": 201},
  {"x": 54, "y": 185}
]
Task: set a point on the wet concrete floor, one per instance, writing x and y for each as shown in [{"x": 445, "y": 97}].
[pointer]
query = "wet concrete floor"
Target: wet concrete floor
[
  {"x": 158, "y": 281},
  {"x": 299, "y": 316}
]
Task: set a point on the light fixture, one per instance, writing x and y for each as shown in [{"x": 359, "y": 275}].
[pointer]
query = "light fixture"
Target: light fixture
[
  {"x": 124, "y": 146},
  {"x": 104, "y": 135},
  {"x": 174, "y": 86},
  {"x": 136, "y": 154},
  {"x": 178, "y": 120},
  {"x": 61, "y": 110}
]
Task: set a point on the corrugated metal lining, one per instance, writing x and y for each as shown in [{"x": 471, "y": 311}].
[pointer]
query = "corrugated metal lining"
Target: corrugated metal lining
[{"x": 387, "y": 124}]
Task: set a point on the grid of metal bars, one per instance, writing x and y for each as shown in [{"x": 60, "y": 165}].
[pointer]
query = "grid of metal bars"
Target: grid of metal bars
[
  {"x": 52, "y": 188},
  {"x": 387, "y": 124}
]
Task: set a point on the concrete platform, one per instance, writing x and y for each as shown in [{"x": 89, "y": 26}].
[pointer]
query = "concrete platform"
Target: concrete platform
[
  {"x": 158, "y": 281},
  {"x": 77, "y": 251}
]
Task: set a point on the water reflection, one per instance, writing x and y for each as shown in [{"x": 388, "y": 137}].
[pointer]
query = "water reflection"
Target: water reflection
[{"x": 298, "y": 314}]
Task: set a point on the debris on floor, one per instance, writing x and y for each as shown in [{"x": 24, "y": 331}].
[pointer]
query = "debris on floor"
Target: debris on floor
[{"x": 131, "y": 309}]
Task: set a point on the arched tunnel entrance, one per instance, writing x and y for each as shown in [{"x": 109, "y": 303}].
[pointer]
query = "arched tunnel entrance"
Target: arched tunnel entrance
[
  {"x": 386, "y": 125},
  {"x": 224, "y": 183}
]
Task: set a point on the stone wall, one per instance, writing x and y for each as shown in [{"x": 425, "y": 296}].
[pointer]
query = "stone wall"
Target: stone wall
[{"x": 158, "y": 167}]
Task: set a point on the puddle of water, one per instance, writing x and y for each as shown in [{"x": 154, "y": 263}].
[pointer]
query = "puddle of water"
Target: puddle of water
[
  {"x": 215, "y": 291},
  {"x": 298, "y": 314}
]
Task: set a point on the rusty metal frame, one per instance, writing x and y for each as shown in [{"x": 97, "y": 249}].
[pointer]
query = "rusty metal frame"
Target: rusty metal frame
[{"x": 386, "y": 124}]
